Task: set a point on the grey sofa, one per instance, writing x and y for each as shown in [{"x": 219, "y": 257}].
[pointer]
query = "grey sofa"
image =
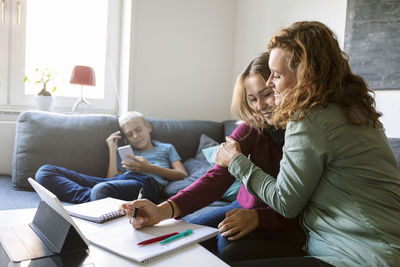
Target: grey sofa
[{"x": 78, "y": 142}]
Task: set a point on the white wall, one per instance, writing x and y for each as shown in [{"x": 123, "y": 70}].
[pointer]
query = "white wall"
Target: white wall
[
  {"x": 387, "y": 102},
  {"x": 182, "y": 58},
  {"x": 186, "y": 54}
]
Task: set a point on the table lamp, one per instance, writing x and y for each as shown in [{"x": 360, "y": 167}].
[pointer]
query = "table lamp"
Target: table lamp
[{"x": 82, "y": 75}]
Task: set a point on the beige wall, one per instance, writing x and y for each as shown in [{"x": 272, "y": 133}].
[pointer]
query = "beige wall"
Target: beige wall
[
  {"x": 387, "y": 102},
  {"x": 182, "y": 58}
]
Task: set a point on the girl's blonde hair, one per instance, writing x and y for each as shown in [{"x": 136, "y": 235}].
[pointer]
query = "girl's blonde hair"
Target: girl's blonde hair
[
  {"x": 323, "y": 76},
  {"x": 240, "y": 105}
]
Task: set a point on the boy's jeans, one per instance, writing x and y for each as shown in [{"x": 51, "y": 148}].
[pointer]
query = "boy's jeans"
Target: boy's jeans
[{"x": 71, "y": 186}]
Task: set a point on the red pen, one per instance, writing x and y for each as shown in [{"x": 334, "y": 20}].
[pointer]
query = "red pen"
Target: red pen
[{"x": 156, "y": 239}]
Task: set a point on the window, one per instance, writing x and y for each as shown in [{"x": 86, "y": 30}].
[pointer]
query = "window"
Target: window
[{"x": 59, "y": 34}]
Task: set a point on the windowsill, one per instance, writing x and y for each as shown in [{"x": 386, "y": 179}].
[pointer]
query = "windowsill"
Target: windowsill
[{"x": 11, "y": 114}]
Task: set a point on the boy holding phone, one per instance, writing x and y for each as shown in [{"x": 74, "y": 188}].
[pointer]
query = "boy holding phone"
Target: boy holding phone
[{"x": 151, "y": 166}]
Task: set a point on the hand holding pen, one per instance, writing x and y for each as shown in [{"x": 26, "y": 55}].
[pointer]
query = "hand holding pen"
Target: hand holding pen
[
  {"x": 135, "y": 211},
  {"x": 147, "y": 214}
]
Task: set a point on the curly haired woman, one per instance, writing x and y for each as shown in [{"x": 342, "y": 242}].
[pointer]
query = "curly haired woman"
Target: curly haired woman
[{"x": 337, "y": 171}]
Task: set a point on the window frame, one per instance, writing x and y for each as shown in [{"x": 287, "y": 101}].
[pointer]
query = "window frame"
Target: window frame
[{"x": 12, "y": 89}]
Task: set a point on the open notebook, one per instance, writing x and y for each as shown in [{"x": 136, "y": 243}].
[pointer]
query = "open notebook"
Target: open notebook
[
  {"x": 97, "y": 211},
  {"x": 120, "y": 238}
]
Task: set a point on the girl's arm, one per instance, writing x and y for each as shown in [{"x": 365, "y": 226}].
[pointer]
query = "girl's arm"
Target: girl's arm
[{"x": 215, "y": 182}]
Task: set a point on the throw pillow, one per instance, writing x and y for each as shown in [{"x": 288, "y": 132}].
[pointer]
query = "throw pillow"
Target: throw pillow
[
  {"x": 196, "y": 167},
  {"x": 205, "y": 142},
  {"x": 209, "y": 153}
]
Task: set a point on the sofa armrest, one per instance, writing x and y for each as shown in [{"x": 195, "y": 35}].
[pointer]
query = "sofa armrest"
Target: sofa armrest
[
  {"x": 7, "y": 136},
  {"x": 75, "y": 142}
]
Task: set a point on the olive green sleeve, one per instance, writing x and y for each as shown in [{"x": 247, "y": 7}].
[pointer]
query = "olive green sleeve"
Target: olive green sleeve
[{"x": 304, "y": 156}]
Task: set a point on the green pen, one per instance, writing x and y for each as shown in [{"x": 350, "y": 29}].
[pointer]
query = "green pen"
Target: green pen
[{"x": 175, "y": 237}]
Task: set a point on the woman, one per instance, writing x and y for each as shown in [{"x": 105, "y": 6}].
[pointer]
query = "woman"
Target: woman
[
  {"x": 247, "y": 217},
  {"x": 338, "y": 170}
]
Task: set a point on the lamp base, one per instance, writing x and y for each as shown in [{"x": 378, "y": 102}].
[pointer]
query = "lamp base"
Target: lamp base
[{"x": 81, "y": 105}]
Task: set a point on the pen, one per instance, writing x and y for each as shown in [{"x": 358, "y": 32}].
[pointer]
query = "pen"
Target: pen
[
  {"x": 140, "y": 195},
  {"x": 175, "y": 237},
  {"x": 156, "y": 239}
]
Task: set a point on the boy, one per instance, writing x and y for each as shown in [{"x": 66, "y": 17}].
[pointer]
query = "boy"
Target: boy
[{"x": 153, "y": 164}]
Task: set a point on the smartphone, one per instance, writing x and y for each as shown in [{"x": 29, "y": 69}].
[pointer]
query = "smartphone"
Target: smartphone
[{"x": 124, "y": 151}]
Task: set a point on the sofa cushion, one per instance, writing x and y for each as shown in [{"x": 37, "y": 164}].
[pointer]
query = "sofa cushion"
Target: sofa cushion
[
  {"x": 195, "y": 169},
  {"x": 76, "y": 142}
]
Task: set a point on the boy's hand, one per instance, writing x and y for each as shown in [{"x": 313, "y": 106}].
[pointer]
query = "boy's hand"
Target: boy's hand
[
  {"x": 137, "y": 164},
  {"x": 112, "y": 141}
]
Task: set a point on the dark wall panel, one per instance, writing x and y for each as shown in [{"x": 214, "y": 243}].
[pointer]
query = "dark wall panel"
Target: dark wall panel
[{"x": 372, "y": 40}]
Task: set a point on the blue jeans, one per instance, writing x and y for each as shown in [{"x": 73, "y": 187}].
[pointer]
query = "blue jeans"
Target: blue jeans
[
  {"x": 71, "y": 186},
  {"x": 213, "y": 218},
  {"x": 256, "y": 244}
]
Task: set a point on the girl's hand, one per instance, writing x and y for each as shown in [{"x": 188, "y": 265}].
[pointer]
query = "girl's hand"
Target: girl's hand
[
  {"x": 226, "y": 152},
  {"x": 147, "y": 214},
  {"x": 238, "y": 223}
]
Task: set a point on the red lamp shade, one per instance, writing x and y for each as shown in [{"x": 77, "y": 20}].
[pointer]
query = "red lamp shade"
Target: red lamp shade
[{"x": 83, "y": 75}]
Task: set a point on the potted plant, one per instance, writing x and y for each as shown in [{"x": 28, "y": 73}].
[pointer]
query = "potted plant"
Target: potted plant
[{"x": 42, "y": 78}]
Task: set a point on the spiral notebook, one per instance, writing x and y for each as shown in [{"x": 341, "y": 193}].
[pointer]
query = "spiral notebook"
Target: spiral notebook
[
  {"x": 98, "y": 211},
  {"x": 119, "y": 237}
]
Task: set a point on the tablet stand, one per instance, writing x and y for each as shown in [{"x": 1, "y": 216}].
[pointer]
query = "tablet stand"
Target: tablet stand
[{"x": 49, "y": 234}]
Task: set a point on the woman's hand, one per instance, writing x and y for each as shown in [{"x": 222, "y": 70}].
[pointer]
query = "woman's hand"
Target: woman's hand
[
  {"x": 227, "y": 152},
  {"x": 238, "y": 223},
  {"x": 137, "y": 164},
  {"x": 112, "y": 141},
  {"x": 148, "y": 213}
]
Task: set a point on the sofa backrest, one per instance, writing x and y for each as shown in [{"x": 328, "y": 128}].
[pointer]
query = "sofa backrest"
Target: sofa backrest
[
  {"x": 185, "y": 134},
  {"x": 395, "y": 144},
  {"x": 77, "y": 142}
]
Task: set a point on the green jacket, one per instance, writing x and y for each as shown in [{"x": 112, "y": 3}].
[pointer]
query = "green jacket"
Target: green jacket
[{"x": 345, "y": 181}]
